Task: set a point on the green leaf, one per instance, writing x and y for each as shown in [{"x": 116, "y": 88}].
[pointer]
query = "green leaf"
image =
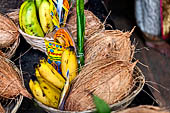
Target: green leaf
[{"x": 101, "y": 105}]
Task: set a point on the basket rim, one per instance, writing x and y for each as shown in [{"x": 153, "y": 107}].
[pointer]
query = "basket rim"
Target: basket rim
[
  {"x": 126, "y": 99},
  {"x": 20, "y": 97}
]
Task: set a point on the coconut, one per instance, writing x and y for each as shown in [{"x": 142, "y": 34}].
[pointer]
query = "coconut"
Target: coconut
[
  {"x": 110, "y": 80},
  {"x": 109, "y": 43},
  {"x": 10, "y": 83},
  {"x": 145, "y": 109},
  {"x": 14, "y": 15},
  {"x": 93, "y": 24},
  {"x": 8, "y": 32}
]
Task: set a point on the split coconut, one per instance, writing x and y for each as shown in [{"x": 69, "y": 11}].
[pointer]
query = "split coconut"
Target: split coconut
[
  {"x": 108, "y": 79},
  {"x": 109, "y": 43},
  {"x": 93, "y": 24}
]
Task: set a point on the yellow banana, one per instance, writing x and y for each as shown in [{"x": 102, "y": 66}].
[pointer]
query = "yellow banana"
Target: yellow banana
[
  {"x": 50, "y": 91},
  {"x": 45, "y": 17},
  {"x": 72, "y": 65},
  {"x": 20, "y": 13},
  {"x": 53, "y": 70},
  {"x": 69, "y": 64},
  {"x": 61, "y": 41},
  {"x": 38, "y": 93},
  {"x": 29, "y": 20},
  {"x": 37, "y": 74},
  {"x": 47, "y": 74}
]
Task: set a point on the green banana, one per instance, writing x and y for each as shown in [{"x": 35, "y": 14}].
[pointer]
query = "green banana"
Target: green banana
[
  {"x": 69, "y": 64},
  {"x": 38, "y": 3},
  {"x": 30, "y": 22},
  {"x": 45, "y": 17},
  {"x": 20, "y": 13}
]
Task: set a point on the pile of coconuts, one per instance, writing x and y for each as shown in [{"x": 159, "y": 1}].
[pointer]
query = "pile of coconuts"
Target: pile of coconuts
[
  {"x": 11, "y": 84},
  {"x": 108, "y": 68}
]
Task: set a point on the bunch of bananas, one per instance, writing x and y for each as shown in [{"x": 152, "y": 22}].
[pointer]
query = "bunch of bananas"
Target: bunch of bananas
[
  {"x": 35, "y": 18},
  {"x": 48, "y": 85}
]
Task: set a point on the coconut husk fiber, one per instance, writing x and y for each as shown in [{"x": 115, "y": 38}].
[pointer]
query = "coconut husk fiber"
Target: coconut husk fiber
[
  {"x": 10, "y": 82},
  {"x": 145, "y": 109},
  {"x": 8, "y": 32},
  {"x": 93, "y": 24},
  {"x": 109, "y": 80},
  {"x": 109, "y": 43}
]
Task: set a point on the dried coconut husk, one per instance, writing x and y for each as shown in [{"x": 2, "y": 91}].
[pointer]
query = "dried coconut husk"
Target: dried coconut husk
[
  {"x": 14, "y": 15},
  {"x": 110, "y": 80},
  {"x": 109, "y": 43},
  {"x": 8, "y": 32},
  {"x": 93, "y": 24},
  {"x": 10, "y": 83},
  {"x": 145, "y": 109}
]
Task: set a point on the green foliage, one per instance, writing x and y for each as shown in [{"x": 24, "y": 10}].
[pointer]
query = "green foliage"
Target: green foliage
[{"x": 101, "y": 105}]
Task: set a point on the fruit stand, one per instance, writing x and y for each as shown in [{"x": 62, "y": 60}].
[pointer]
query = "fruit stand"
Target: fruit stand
[{"x": 26, "y": 57}]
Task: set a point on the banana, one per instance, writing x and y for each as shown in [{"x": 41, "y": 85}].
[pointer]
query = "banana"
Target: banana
[
  {"x": 20, "y": 13},
  {"x": 50, "y": 91},
  {"x": 69, "y": 64},
  {"x": 61, "y": 41},
  {"x": 53, "y": 70},
  {"x": 38, "y": 3},
  {"x": 29, "y": 20},
  {"x": 45, "y": 17},
  {"x": 47, "y": 74},
  {"x": 38, "y": 93}
]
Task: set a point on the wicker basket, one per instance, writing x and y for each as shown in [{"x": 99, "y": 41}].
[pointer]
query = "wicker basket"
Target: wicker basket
[
  {"x": 38, "y": 42},
  {"x": 12, "y": 105},
  {"x": 139, "y": 83}
]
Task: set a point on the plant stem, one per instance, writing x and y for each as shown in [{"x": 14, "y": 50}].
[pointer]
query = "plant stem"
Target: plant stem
[{"x": 80, "y": 30}]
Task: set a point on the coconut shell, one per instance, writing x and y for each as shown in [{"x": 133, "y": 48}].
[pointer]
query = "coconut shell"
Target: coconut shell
[
  {"x": 110, "y": 80},
  {"x": 145, "y": 109},
  {"x": 10, "y": 82},
  {"x": 93, "y": 24},
  {"x": 109, "y": 43},
  {"x": 8, "y": 32}
]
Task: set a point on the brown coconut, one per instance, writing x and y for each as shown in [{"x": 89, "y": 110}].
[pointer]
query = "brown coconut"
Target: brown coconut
[
  {"x": 110, "y": 80},
  {"x": 14, "y": 15},
  {"x": 109, "y": 43},
  {"x": 10, "y": 82},
  {"x": 93, "y": 24},
  {"x": 145, "y": 109},
  {"x": 8, "y": 32}
]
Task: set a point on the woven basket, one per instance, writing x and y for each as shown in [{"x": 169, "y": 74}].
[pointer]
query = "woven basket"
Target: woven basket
[
  {"x": 139, "y": 83},
  {"x": 38, "y": 42},
  {"x": 12, "y": 105}
]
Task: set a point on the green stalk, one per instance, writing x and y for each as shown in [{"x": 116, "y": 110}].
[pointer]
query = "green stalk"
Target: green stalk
[{"x": 80, "y": 30}]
